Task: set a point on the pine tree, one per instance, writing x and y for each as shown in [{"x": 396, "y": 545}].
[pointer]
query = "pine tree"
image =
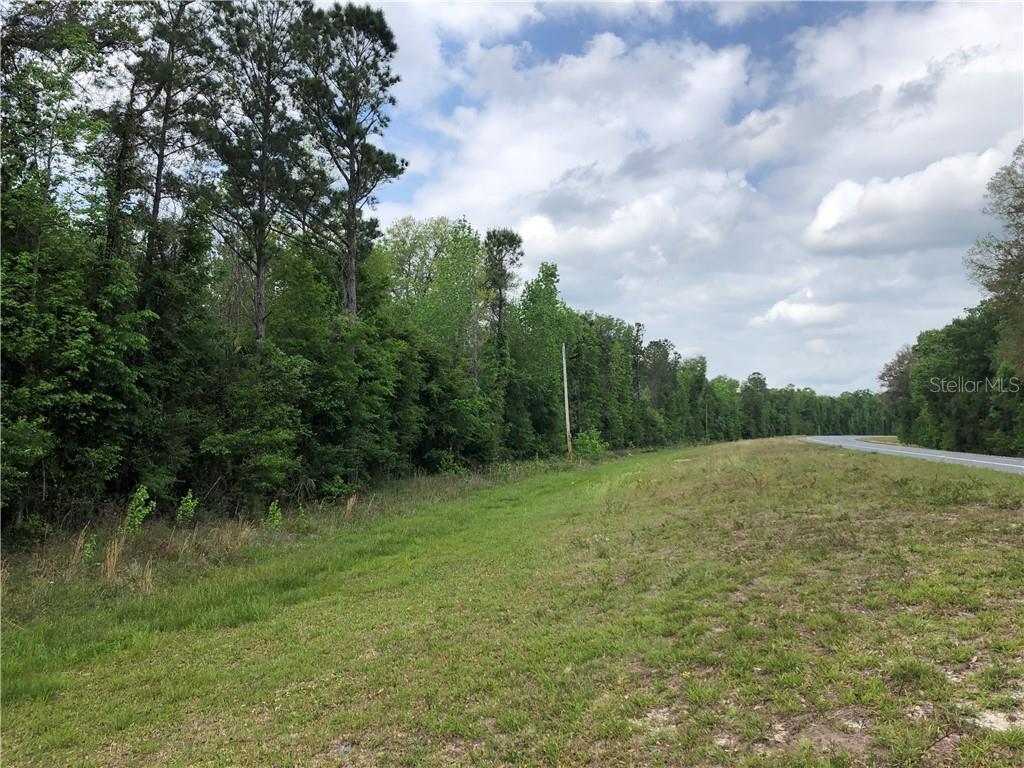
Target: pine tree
[{"x": 345, "y": 92}]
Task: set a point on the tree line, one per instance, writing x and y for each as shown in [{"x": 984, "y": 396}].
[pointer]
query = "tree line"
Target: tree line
[
  {"x": 961, "y": 387},
  {"x": 197, "y": 299}
]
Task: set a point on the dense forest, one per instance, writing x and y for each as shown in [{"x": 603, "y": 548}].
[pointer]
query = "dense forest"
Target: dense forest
[
  {"x": 197, "y": 300},
  {"x": 961, "y": 387}
]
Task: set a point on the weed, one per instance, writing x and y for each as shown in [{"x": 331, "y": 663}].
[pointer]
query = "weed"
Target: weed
[
  {"x": 140, "y": 506},
  {"x": 589, "y": 445},
  {"x": 273, "y": 519},
  {"x": 89, "y": 550},
  {"x": 186, "y": 509}
]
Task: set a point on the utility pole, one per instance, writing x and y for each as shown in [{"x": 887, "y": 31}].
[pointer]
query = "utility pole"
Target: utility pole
[{"x": 565, "y": 394}]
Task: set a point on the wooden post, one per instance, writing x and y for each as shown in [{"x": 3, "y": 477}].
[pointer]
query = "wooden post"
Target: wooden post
[{"x": 565, "y": 393}]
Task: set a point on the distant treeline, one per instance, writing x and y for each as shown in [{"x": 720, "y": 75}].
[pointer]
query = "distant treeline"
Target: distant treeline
[
  {"x": 961, "y": 387},
  {"x": 195, "y": 299}
]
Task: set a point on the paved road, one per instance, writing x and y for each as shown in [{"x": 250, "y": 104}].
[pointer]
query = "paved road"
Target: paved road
[{"x": 1000, "y": 463}]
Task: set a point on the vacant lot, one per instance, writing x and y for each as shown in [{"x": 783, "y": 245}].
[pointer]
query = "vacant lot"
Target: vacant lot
[{"x": 767, "y": 603}]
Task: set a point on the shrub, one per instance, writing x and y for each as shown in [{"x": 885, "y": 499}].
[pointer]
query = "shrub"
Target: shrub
[
  {"x": 31, "y": 529},
  {"x": 589, "y": 445},
  {"x": 89, "y": 550},
  {"x": 273, "y": 519},
  {"x": 140, "y": 506},
  {"x": 448, "y": 464},
  {"x": 186, "y": 509}
]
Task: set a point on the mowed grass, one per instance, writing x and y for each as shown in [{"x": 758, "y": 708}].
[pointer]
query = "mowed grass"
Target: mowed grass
[{"x": 764, "y": 603}]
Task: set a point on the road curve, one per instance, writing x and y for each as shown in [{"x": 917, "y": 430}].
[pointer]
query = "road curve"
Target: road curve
[{"x": 856, "y": 443}]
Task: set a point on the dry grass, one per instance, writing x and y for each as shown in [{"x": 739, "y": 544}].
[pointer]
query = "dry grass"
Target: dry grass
[
  {"x": 146, "y": 584},
  {"x": 112, "y": 555},
  {"x": 76, "y": 550}
]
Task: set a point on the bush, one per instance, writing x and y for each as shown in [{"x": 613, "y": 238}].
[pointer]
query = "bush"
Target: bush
[
  {"x": 447, "y": 463},
  {"x": 89, "y": 550},
  {"x": 186, "y": 509},
  {"x": 273, "y": 518},
  {"x": 140, "y": 506},
  {"x": 589, "y": 445}
]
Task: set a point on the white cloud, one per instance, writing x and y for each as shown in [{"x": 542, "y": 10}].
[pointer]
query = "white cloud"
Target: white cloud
[
  {"x": 801, "y": 311},
  {"x": 731, "y": 13},
  {"x": 891, "y": 45},
  {"x": 935, "y": 205},
  {"x": 724, "y": 200},
  {"x": 423, "y": 28},
  {"x": 602, "y": 116}
]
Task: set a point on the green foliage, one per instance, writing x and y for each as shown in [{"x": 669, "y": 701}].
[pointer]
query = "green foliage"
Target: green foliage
[
  {"x": 272, "y": 521},
  {"x": 215, "y": 345},
  {"x": 952, "y": 390},
  {"x": 996, "y": 261},
  {"x": 961, "y": 387},
  {"x": 186, "y": 509},
  {"x": 589, "y": 445},
  {"x": 89, "y": 550},
  {"x": 140, "y": 506}
]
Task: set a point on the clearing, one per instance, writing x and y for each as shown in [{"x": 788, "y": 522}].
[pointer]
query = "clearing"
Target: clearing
[{"x": 760, "y": 603}]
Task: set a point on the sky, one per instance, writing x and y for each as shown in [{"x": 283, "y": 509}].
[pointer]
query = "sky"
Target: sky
[{"x": 785, "y": 188}]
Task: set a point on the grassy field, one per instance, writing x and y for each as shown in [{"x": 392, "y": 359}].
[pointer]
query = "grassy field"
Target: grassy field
[{"x": 765, "y": 603}]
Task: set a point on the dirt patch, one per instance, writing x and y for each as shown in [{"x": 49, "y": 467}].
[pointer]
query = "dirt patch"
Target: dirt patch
[
  {"x": 994, "y": 720},
  {"x": 943, "y": 751},
  {"x": 837, "y": 737},
  {"x": 656, "y": 719},
  {"x": 843, "y": 731}
]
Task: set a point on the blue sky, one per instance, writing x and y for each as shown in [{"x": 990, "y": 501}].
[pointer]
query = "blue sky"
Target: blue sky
[{"x": 782, "y": 187}]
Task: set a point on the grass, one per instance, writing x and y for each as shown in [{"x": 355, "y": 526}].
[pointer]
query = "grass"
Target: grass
[{"x": 765, "y": 603}]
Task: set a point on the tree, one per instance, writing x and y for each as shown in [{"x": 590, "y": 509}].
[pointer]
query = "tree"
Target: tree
[
  {"x": 345, "y": 92},
  {"x": 895, "y": 380},
  {"x": 181, "y": 178},
  {"x": 250, "y": 127},
  {"x": 755, "y": 407},
  {"x": 437, "y": 268},
  {"x": 996, "y": 262},
  {"x": 176, "y": 61},
  {"x": 503, "y": 253},
  {"x": 70, "y": 331}
]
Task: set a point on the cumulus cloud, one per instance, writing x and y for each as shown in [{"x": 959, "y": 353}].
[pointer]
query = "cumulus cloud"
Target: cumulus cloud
[
  {"x": 938, "y": 204},
  {"x": 423, "y": 29},
  {"x": 801, "y": 311},
  {"x": 725, "y": 199},
  {"x": 731, "y": 13}
]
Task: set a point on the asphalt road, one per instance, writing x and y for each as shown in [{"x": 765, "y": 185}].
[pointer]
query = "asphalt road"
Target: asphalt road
[{"x": 1000, "y": 463}]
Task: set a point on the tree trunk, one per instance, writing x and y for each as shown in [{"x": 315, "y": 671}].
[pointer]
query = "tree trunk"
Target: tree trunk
[
  {"x": 352, "y": 257},
  {"x": 261, "y": 303},
  {"x": 118, "y": 178},
  {"x": 153, "y": 238}
]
